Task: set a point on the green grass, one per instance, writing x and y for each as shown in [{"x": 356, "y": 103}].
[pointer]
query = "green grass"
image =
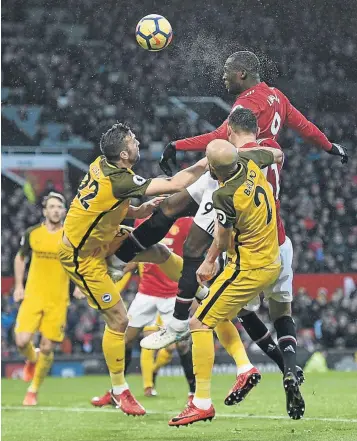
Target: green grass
[{"x": 64, "y": 412}]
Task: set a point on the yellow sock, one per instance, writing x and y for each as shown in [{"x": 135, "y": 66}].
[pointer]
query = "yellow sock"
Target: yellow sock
[
  {"x": 163, "y": 358},
  {"x": 121, "y": 284},
  {"x": 43, "y": 365},
  {"x": 203, "y": 360},
  {"x": 229, "y": 338},
  {"x": 114, "y": 352},
  {"x": 172, "y": 267},
  {"x": 29, "y": 352},
  {"x": 147, "y": 367}
]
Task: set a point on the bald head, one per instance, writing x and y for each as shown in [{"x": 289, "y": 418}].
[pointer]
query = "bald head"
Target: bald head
[{"x": 222, "y": 158}]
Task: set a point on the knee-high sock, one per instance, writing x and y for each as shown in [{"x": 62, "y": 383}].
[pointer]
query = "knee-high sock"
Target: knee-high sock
[
  {"x": 147, "y": 367},
  {"x": 43, "y": 365},
  {"x": 114, "y": 352},
  {"x": 260, "y": 334},
  {"x": 203, "y": 359},
  {"x": 286, "y": 333},
  {"x": 29, "y": 352},
  {"x": 187, "y": 366},
  {"x": 163, "y": 358},
  {"x": 230, "y": 339},
  {"x": 172, "y": 267}
]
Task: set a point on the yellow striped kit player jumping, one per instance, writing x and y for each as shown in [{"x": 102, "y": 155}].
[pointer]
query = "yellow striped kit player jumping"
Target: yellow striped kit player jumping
[
  {"x": 91, "y": 233},
  {"x": 247, "y": 229}
]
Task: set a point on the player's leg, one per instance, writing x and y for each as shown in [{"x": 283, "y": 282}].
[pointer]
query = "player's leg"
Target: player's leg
[
  {"x": 43, "y": 366},
  {"x": 260, "y": 334},
  {"x": 228, "y": 294},
  {"x": 27, "y": 323},
  {"x": 90, "y": 274},
  {"x": 197, "y": 243},
  {"x": 184, "y": 349},
  {"x": 280, "y": 298},
  {"x": 141, "y": 314},
  {"x": 157, "y": 226}
]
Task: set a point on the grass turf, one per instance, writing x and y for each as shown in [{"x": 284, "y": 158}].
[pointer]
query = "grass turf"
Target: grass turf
[{"x": 64, "y": 412}]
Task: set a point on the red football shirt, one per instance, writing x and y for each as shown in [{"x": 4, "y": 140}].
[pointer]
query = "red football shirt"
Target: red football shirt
[
  {"x": 273, "y": 110},
  {"x": 272, "y": 173},
  {"x": 153, "y": 281}
]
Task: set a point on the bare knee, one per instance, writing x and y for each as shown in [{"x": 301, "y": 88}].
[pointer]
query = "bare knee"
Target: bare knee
[
  {"x": 279, "y": 309},
  {"x": 183, "y": 346},
  {"x": 22, "y": 340},
  {"x": 196, "y": 324},
  {"x": 116, "y": 317},
  {"x": 46, "y": 345},
  {"x": 197, "y": 243}
]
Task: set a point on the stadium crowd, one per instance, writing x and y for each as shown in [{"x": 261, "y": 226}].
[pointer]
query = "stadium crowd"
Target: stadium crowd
[{"x": 86, "y": 72}]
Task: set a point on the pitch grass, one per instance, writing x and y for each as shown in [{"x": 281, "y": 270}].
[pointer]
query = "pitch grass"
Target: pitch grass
[{"x": 64, "y": 412}]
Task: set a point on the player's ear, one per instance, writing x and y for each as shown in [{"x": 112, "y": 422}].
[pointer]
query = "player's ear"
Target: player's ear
[
  {"x": 258, "y": 131},
  {"x": 243, "y": 74},
  {"x": 229, "y": 131},
  {"x": 124, "y": 155}
]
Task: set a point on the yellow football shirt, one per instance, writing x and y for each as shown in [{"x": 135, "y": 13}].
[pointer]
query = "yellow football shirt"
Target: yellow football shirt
[
  {"x": 246, "y": 203},
  {"x": 101, "y": 204},
  {"x": 46, "y": 280}
]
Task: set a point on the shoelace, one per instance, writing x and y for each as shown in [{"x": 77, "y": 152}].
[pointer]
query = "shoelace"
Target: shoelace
[
  {"x": 186, "y": 411},
  {"x": 129, "y": 397}
]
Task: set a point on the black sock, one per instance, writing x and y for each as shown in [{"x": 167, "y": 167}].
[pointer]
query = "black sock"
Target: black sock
[
  {"x": 145, "y": 235},
  {"x": 186, "y": 363},
  {"x": 187, "y": 287},
  {"x": 286, "y": 332},
  {"x": 260, "y": 334},
  {"x": 128, "y": 353}
]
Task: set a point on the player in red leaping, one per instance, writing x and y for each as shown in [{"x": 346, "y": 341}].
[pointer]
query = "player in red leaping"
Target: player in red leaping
[{"x": 273, "y": 110}]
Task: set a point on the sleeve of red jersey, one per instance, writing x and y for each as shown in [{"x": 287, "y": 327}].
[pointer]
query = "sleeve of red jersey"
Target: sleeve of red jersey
[
  {"x": 199, "y": 143},
  {"x": 306, "y": 129}
]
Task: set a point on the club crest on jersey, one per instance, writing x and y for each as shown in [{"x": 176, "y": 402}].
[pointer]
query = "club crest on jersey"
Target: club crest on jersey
[
  {"x": 138, "y": 180},
  {"x": 221, "y": 216},
  {"x": 106, "y": 298}
]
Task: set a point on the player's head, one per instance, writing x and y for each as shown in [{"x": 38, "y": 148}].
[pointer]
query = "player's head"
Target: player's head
[
  {"x": 54, "y": 207},
  {"x": 242, "y": 124},
  {"x": 222, "y": 159},
  {"x": 119, "y": 144},
  {"x": 241, "y": 71}
]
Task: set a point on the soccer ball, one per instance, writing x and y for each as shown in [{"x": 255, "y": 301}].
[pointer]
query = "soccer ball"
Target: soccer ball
[{"x": 153, "y": 32}]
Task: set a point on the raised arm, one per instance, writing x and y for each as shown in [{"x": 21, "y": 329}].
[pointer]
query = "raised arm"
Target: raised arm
[{"x": 181, "y": 180}]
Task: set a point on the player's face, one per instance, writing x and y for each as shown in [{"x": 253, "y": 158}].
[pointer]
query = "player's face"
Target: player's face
[
  {"x": 133, "y": 149},
  {"x": 231, "y": 81},
  {"x": 54, "y": 211}
]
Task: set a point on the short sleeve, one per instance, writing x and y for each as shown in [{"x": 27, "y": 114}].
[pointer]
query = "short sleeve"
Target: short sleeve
[
  {"x": 223, "y": 204},
  {"x": 127, "y": 185},
  {"x": 25, "y": 247},
  {"x": 261, "y": 157}
]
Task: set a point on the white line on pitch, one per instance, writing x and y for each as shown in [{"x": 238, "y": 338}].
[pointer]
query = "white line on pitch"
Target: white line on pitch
[{"x": 219, "y": 415}]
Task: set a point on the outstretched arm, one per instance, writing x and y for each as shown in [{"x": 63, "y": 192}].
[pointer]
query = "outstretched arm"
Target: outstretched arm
[{"x": 181, "y": 180}]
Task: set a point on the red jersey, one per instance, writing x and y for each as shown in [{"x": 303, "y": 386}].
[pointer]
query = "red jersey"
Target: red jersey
[
  {"x": 272, "y": 173},
  {"x": 273, "y": 110},
  {"x": 153, "y": 281}
]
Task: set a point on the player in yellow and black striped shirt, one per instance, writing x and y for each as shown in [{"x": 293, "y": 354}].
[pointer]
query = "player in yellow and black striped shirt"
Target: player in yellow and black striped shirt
[
  {"x": 92, "y": 227},
  {"x": 247, "y": 229}
]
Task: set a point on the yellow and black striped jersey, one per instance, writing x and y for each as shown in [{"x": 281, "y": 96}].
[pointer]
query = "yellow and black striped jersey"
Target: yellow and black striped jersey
[
  {"x": 246, "y": 202},
  {"x": 101, "y": 204},
  {"x": 46, "y": 277}
]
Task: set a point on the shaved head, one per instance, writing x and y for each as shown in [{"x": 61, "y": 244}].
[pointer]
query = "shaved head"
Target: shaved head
[
  {"x": 222, "y": 158},
  {"x": 241, "y": 71}
]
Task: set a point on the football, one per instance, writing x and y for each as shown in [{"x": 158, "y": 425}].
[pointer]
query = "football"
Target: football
[{"x": 153, "y": 32}]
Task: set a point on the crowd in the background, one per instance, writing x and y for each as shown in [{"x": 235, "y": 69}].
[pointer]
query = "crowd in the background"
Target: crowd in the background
[
  {"x": 321, "y": 323},
  {"x": 86, "y": 71}
]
